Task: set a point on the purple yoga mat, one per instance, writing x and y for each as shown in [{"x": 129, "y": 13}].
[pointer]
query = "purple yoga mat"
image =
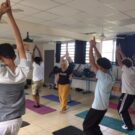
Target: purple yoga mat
[
  {"x": 114, "y": 106},
  {"x": 41, "y": 110}
]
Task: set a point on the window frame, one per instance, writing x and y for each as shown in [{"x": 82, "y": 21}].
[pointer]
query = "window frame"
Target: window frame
[{"x": 63, "y": 51}]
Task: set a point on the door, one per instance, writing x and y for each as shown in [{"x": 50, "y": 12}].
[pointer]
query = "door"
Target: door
[{"x": 49, "y": 64}]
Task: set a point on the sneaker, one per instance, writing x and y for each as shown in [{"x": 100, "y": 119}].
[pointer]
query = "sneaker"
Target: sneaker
[
  {"x": 124, "y": 127},
  {"x": 36, "y": 106},
  {"x": 63, "y": 110},
  {"x": 69, "y": 101}
]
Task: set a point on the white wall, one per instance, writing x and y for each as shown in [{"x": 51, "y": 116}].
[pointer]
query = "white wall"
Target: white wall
[{"x": 82, "y": 83}]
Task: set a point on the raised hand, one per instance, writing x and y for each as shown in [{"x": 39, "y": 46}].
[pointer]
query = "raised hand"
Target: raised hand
[
  {"x": 67, "y": 54},
  {"x": 92, "y": 42},
  {"x": 5, "y": 7},
  {"x": 118, "y": 48}
]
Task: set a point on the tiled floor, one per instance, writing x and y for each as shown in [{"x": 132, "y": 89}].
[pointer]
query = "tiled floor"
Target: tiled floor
[{"x": 46, "y": 124}]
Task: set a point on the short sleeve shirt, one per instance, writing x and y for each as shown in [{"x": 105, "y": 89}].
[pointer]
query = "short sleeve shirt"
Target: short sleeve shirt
[
  {"x": 102, "y": 90},
  {"x": 128, "y": 80}
]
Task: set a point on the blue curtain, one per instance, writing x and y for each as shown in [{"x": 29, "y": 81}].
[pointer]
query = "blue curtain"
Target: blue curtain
[
  {"x": 127, "y": 44},
  {"x": 80, "y": 49},
  {"x": 58, "y": 50}
]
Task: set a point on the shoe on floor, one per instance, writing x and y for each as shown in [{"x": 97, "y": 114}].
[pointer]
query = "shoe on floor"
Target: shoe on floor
[
  {"x": 127, "y": 128},
  {"x": 63, "y": 110},
  {"x": 124, "y": 127},
  {"x": 69, "y": 101},
  {"x": 36, "y": 106}
]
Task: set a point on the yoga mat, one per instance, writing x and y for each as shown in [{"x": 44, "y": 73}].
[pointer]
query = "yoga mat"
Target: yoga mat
[
  {"x": 24, "y": 124},
  {"x": 110, "y": 123},
  {"x": 114, "y": 106},
  {"x": 56, "y": 99},
  {"x": 41, "y": 110},
  {"x": 70, "y": 130}
]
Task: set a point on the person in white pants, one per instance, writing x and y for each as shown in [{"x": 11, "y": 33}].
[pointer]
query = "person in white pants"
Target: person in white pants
[
  {"x": 12, "y": 127},
  {"x": 12, "y": 79}
]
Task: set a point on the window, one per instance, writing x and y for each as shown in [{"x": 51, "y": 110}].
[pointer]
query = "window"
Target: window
[
  {"x": 108, "y": 49},
  {"x": 71, "y": 49},
  {"x": 87, "y": 52}
]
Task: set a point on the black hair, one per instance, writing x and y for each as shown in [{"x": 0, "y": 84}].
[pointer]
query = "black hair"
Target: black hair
[
  {"x": 127, "y": 62},
  {"x": 7, "y": 51},
  {"x": 104, "y": 63},
  {"x": 38, "y": 60}
]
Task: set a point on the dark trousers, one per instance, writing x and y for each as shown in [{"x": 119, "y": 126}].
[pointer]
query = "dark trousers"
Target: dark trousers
[
  {"x": 91, "y": 122},
  {"x": 125, "y": 102}
]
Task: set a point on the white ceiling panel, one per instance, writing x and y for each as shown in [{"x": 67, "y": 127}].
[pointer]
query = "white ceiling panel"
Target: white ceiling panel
[
  {"x": 126, "y": 22},
  {"x": 125, "y": 30},
  {"x": 79, "y": 16},
  {"x": 91, "y": 7},
  {"x": 111, "y": 1},
  {"x": 16, "y": 0},
  {"x": 39, "y": 4},
  {"x": 25, "y": 10},
  {"x": 45, "y": 16},
  {"x": 117, "y": 16},
  {"x": 132, "y": 27},
  {"x": 20, "y": 11},
  {"x": 63, "y": 11},
  {"x": 54, "y": 24},
  {"x": 131, "y": 13},
  {"x": 122, "y": 5},
  {"x": 67, "y": 20},
  {"x": 62, "y": 1},
  {"x": 32, "y": 20},
  {"x": 3, "y": 28},
  {"x": 52, "y": 38}
]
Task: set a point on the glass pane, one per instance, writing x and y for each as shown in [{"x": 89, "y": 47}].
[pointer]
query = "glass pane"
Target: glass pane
[
  {"x": 107, "y": 55},
  {"x": 71, "y": 49},
  {"x": 107, "y": 46}
]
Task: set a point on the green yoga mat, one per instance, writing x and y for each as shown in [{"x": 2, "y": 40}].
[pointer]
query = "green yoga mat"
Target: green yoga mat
[{"x": 110, "y": 123}]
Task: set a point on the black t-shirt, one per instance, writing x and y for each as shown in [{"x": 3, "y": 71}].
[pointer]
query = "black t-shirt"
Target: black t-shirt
[{"x": 64, "y": 76}]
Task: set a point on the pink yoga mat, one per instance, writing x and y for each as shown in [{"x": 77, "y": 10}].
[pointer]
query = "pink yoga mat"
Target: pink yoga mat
[
  {"x": 41, "y": 110},
  {"x": 114, "y": 106}
]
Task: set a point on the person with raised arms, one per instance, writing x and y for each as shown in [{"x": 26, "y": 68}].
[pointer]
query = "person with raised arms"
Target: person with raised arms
[
  {"x": 102, "y": 91},
  {"x": 128, "y": 88},
  {"x": 12, "y": 79}
]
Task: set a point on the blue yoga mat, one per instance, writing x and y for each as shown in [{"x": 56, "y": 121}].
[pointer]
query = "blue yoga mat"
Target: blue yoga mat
[
  {"x": 110, "y": 123},
  {"x": 56, "y": 99}
]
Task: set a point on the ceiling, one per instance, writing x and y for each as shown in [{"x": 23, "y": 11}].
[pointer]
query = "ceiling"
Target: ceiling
[{"x": 53, "y": 20}]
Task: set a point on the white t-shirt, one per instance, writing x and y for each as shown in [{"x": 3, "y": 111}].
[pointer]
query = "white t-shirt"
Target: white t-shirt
[
  {"x": 20, "y": 75},
  {"x": 128, "y": 80},
  {"x": 38, "y": 72},
  {"x": 102, "y": 90}
]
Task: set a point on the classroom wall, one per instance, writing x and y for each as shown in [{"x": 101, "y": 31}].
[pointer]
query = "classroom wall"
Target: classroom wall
[
  {"x": 81, "y": 83},
  {"x": 76, "y": 83}
]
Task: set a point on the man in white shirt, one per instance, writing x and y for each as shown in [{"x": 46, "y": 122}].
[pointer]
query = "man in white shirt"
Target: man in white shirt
[
  {"x": 128, "y": 88},
  {"x": 37, "y": 76}
]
